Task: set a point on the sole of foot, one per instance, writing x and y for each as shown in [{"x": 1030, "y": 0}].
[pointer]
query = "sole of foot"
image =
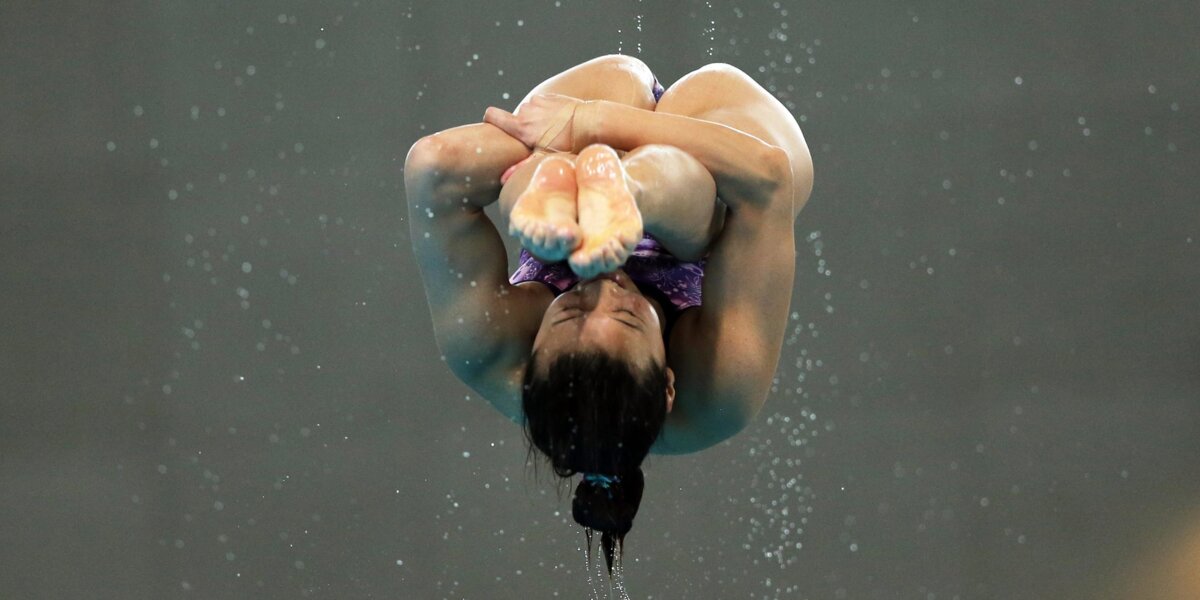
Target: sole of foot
[
  {"x": 544, "y": 217},
  {"x": 609, "y": 218}
]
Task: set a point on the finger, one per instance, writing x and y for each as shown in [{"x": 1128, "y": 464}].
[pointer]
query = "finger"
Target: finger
[
  {"x": 495, "y": 116},
  {"x": 500, "y": 118}
]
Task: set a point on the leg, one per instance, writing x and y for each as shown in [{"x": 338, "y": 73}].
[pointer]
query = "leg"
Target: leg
[
  {"x": 677, "y": 198},
  {"x": 582, "y": 207},
  {"x": 474, "y": 156},
  {"x": 724, "y": 94},
  {"x": 673, "y": 192},
  {"x": 657, "y": 189},
  {"x": 613, "y": 77},
  {"x": 538, "y": 206}
]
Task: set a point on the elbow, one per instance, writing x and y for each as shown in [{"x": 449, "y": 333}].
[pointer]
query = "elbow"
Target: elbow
[
  {"x": 421, "y": 157},
  {"x": 777, "y": 168},
  {"x": 428, "y": 157},
  {"x": 766, "y": 176},
  {"x": 429, "y": 170}
]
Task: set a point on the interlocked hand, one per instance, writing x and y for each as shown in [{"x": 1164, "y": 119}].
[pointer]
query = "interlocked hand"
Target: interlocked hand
[{"x": 542, "y": 123}]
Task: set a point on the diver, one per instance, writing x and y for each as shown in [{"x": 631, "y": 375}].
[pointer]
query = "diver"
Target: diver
[{"x": 648, "y": 310}]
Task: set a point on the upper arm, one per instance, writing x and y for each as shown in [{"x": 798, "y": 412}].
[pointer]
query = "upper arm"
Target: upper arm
[
  {"x": 477, "y": 315},
  {"x": 725, "y": 356}
]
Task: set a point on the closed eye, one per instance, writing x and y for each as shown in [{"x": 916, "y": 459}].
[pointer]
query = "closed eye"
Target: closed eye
[
  {"x": 630, "y": 325},
  {"x": 635, "y": 317}
]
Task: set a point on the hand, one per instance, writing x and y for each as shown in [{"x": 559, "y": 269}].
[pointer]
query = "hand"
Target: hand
[{"x": 543, "y": 123}]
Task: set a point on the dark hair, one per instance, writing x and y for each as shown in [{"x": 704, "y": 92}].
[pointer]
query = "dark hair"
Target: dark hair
[{"x": 594, "y": 413}]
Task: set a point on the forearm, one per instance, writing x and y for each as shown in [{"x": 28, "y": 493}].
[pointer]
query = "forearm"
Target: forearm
[
  {"x": 737, "y": 161},
  {"x": 466, "y": 162}
]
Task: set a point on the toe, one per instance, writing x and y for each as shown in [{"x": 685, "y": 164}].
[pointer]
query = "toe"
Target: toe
[
  {"x": 585, "y": 265},
  {"x": 537, "y": 236},
  {"x": 577, "y": 264},
  {"x": 617, "y": 249},
  {"x": 563, "y": 241},
  {"x": 609, "y": 258}
]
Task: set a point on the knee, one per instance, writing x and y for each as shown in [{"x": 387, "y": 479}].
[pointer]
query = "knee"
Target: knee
[
  {"x": 620, "y": 63},
  {"x": 710, "y": 86},
  {"x": 719, "y": 67},
  {"x": 663, "y": 157},
  {"x": 651, "y": 150},
  {"x": 677, "y": 172},
  {"x": 720, "y": 71}
]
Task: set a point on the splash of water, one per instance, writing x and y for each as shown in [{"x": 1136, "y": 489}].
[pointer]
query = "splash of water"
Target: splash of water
[
  {"x": 619, "y": 573},
  {"x": 587, "y": 565},
  {"x": 615, "y": 581},
  {"x": 711, "y": 30}
]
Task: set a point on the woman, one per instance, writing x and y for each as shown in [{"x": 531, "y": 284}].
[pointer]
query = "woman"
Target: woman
[{"x": 649, "y": 196}]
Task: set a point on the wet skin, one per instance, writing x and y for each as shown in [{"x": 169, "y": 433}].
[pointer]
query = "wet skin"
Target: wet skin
[{"x": 607, "y": 314}]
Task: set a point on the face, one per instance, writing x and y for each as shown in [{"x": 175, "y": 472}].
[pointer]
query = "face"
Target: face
[{"x": 606, "y": 313}]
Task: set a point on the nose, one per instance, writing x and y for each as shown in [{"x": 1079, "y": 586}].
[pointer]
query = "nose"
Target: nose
[
  {"x": 593, "y": 292},
  {"x": 590, "y": 294}
]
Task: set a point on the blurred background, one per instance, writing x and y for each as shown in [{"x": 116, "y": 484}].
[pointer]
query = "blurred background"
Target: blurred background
[{"x": 218, "y": 377}]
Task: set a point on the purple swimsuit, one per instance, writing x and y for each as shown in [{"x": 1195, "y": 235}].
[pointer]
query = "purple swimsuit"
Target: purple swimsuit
[
  {"x": 675, "y": 284},
  {"x": 658, "y": 90}
]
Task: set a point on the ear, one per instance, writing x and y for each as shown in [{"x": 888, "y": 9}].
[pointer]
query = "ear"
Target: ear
[{"x": 670, "y": 389}]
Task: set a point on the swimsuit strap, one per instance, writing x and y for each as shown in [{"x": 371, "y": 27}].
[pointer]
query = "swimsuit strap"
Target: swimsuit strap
[{"x": 560, "y": 122}]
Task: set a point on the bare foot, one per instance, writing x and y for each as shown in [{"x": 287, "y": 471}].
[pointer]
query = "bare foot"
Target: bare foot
[
  {"x": 543, "y": 217},
  {"x": 608, "y": 214}
]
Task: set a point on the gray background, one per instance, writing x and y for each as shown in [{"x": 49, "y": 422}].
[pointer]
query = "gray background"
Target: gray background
[{"x": 217, "y": 371}]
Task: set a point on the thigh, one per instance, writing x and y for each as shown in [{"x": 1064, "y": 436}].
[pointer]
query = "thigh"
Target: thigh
[
  {"x": 613, "y": 77},
  {"x": 724, "y": 94}
]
